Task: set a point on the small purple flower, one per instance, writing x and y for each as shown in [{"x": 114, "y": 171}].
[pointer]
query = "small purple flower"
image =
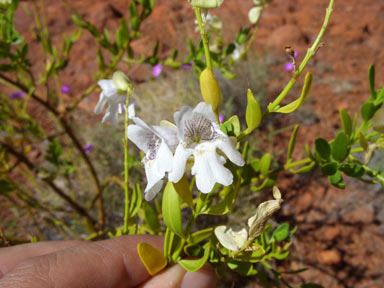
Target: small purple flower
[
  {"x": 221, "y": 118},
  {"x": 296, "y": 54},
  {"x": 17, "y": 95},
  {"x": 157, "y": 69},
  {"x": 65, "y": 89},
  {"x": 187, "y": 65},
  {"x": 289, "y": 67},
  {"x": 88, "y": 148}
]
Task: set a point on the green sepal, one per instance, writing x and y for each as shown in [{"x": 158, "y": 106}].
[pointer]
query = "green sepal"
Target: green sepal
[
  {"x": 231, "y": 127},
  {"x": 171, "y": 210},
  {"x": 298, "y": 102},
  {"x": 253, "y": 113},
  {"x": 196, "y": 264}
]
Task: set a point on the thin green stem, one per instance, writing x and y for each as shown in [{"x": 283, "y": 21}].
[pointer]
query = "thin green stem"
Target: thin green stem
[
  {"x": 310, "y": 53},
  {"x": 126, "y": 166},
  {"x": 204, "y": 37}
]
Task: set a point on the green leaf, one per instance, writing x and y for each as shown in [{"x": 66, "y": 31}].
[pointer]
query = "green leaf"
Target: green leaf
[
  {"x": 322, "y": 148},
  {"x": 243, "y": 35},
  {"x": 346, "y": 122},
  {"x": 152, "y": 258},
  {"x": 292, "y": 142},
  {"x": 339, "y": 147},
  {"x": 224, "y": 206},
  {"x": 337, "y": 180},
  {"x": 368, "y": 110},
  {"x": 379, "y": 128},
  {"x": 200, "y": 235},
  {"x": 352, "y": 170},
  {"x": 371, "y": 78},
  {"x": 329, "y": 168},
  {"x": 298, "y": 102},
  {"x": 171, "y": 210},
  {"x": 182, "y": 188},
  {"x": 265, "y": 164},
  {"x": 281, "y": 255},
  {"x": 363, "y": 141},
  {"x": 195, "y": 264},
  {"x": 253, "y": 113},
  {"x": 151, "y": 217},
  {"x": 253, "y": 256},
  {"x": 304, "y": 169},
  {"x": 281, "y": 233},
  {"x": 242, "y": 268},
  {"x": 193, "y": 250},
  {"x": 136, "y": 200}
]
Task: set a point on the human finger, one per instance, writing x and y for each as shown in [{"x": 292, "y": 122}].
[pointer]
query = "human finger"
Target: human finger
[
  {"x": 11, "y": 256},
  {"x": 108, "y": 263}
]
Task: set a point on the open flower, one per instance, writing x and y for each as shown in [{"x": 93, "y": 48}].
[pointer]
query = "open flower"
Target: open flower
[
  {"x": 110, "y": 95},
  {"x": 157, "y": 143},
  {"x": 200, "y": 135}
]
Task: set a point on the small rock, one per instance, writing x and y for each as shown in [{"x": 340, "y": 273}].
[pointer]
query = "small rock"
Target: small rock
[
  {"x": 329, "y": 257},
  {"x": 330, "y": 233},
  {"x": 364, "y": 214}
]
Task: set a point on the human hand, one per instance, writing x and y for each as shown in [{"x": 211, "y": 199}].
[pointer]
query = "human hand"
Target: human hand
[{"x": 76, "y": 264}]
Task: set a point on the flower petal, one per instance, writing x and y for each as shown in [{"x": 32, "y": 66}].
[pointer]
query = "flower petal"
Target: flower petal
[
  {"x": 140, "y": 136},
  {"x": 100, "y": 105},
  {"x": 168, "y": 135},
  {"x": 180, "y": 117},
  {"x": 228, "y": 148},
  {"x": 209, "y": 168},
  {"x": 109, "y": 89},
  {"x": 152, "y": 190},
  {"x": 232, "y": 240},
  {"x": 206, "y": 110},
  {"x": 179, "y": 161},
  {"x": 131, "y": 111},
  {"x": 111, "y": 113}
]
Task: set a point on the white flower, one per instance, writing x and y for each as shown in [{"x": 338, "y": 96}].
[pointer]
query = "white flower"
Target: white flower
[
  {"x": 110, "y": 95},
  {"x": 157, "y": 142},
  {"x": 234, "y": 240},
  {"x": 199, "y": 134}
]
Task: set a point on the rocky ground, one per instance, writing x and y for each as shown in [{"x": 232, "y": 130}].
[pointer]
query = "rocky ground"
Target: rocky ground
[{"x": 340, "y": 232}]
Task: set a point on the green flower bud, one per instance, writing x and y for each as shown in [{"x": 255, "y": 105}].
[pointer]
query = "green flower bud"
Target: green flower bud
[
  {"x": 122, "y": 82},
  {"x": 210, "y": 90},
  {"x": 205, "y": 4}
]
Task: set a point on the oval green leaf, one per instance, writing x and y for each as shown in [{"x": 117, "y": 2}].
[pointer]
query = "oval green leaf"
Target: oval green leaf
[
  {"x": 253, "y": 113},
  {"x": 339, "y": 147},
  {"x": 171, "y": 210},
  {"x": 322, "y": 148},
  {"x": 329, "y": 169},
  {"x": 346, "y": 121},
  {"x": 368, "y": 110},
  {"x": 265, "y": 164}
]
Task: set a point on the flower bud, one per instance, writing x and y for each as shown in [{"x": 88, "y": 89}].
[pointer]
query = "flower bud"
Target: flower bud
[
  {"x": 210, "y": 90},
  {"x": 122, "y": 82},
  {"x": 205, "y": 4},
  {"x": 254, "y": 14},
  {"x": 265, "y": 210}
]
